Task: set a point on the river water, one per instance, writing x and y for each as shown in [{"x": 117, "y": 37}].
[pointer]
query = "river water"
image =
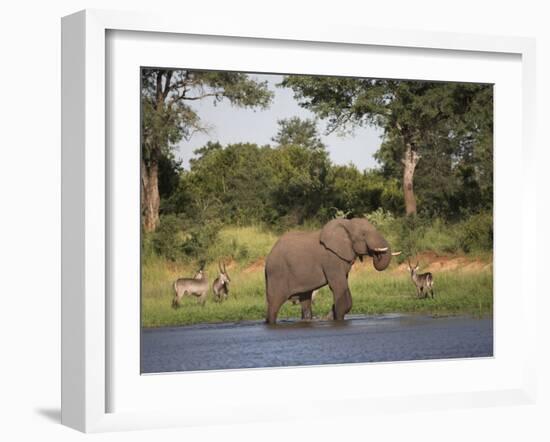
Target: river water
[{"x": 359, "y": 338}]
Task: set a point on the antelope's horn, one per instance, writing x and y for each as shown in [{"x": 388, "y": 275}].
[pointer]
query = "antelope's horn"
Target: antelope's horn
[
  {"x": 224, "y": 269},
  {"x": 380, "y": 249}
]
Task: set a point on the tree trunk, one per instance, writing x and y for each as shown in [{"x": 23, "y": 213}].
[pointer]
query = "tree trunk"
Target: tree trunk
[
  {"x": 410, "y": 160},
  {"x": 150, "y": 198}
]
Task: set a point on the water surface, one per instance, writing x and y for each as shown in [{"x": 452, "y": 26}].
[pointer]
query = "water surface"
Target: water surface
[{"x": 359, "y": 338}]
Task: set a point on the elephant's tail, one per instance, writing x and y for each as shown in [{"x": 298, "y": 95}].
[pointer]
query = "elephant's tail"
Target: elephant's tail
[{"x": 266, "y": 295}]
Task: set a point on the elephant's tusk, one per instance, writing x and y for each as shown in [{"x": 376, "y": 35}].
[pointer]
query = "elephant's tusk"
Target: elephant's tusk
[
  {"x": 380, "y": 249},
  {"x": 396, "y": 253}
]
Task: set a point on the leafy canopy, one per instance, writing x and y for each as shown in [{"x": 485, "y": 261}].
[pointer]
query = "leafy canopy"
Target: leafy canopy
[
  {"x": 166, "y": 94},
  {"x": 448, "y": 124}
]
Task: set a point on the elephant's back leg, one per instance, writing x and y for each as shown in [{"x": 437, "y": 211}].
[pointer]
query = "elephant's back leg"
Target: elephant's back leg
[
  {"x": 276, "y": 284},
  {"x": 276, "y": 294},
  {"x": 273, "y": 308}
]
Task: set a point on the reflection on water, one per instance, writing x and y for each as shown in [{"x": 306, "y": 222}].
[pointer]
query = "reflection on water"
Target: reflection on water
[{"x": 359, "y": 338}]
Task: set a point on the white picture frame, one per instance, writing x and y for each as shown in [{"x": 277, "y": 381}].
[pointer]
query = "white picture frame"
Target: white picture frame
[{"x": 86, "y": 351}]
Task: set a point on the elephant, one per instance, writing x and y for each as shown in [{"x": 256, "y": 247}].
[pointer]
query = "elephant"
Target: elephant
[{"x": 301, "y": 262}]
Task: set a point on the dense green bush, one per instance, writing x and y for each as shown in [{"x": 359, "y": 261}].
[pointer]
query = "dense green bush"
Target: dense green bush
[
  {"x": 476, "y": 233},
  {"x": 181, "y": 240},
  {"x": 440, "y": 237},
  {"x": 381, "y": 218},
  {"x": 167, "y": 240},
  {"x": 199, "y": 238},
  {"x": 415, "y": 234},
  {"x": 402, "y": 233},
  {"x": 285, "y": 186}
]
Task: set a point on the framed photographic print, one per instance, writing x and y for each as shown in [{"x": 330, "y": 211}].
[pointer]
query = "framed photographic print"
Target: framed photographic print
[{"x": 252, "y": 211}]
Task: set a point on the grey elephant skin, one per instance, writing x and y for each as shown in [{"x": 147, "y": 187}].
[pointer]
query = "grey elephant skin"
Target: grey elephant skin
[{"x": 301, "y": 262}]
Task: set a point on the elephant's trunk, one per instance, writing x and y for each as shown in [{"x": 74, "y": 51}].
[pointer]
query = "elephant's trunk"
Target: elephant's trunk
[
  {"x": 381, "y": 260},
  {"x": 380, "y": 251}
]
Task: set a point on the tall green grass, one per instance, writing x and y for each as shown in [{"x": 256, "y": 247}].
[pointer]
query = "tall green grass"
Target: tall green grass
[
  {"x": 244, "y": 244},
  {"x": 469, "y": 294}
]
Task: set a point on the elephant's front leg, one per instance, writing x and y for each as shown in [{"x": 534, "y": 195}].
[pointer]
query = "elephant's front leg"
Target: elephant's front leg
[
  {"x": 305, "y": 302},
  {"x": 342, "y": 298}
]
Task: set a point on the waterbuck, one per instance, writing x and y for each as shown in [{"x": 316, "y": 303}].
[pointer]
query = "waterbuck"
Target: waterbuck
[
  {"x": 422, "y": 281},
  {"x": 220, "y": 286},
  {"x": 197, "y": 286}
]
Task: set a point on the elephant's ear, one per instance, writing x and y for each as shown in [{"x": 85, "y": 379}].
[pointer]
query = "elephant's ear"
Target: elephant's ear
[{"x": 335, "y": 237}]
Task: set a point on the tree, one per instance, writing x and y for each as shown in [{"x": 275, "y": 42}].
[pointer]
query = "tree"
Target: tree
[
  {"x": 167, "y": 117},
  {"x": 231, "y": 183},
  {"x": 415, "y": 116},
  {"x": 455, "y": 175},
  {"x": 299, "y": 182},
  {"x": 300, "y": 163},
  {"x": 298, "y": 132},
  {"x": 358, "y": 193}
]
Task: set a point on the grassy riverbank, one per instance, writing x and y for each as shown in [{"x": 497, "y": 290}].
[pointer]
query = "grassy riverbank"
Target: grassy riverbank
[{"x": 463, "y": 285}]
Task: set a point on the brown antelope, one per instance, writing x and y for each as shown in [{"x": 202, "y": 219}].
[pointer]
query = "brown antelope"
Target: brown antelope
[
  {"x": 196, "y": 286},
  {"x": 422, "y": 281},
  {"x": 220, "y": 286}
]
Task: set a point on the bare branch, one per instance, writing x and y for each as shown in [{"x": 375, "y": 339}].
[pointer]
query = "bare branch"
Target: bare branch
[
  {"x": 214, "y": 94},
  {"x": 340, "y": 123},
  {"x": 182, "y": 96}
]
